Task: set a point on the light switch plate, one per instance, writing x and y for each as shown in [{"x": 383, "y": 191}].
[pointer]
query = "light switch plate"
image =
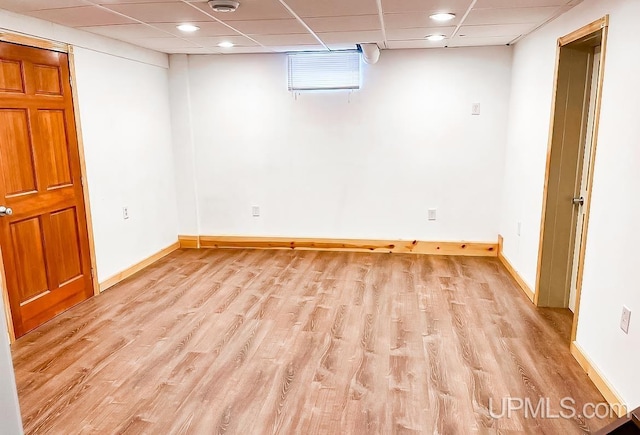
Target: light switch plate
[{"x": 625, "y": 319}]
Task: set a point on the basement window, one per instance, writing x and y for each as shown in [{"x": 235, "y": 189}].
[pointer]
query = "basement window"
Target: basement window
[{"x": 335, "y": 70}]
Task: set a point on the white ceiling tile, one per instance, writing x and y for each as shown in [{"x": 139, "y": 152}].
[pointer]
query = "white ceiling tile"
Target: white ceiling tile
[
  {"x": 114, "y": 2},
  {"x": 169, "y": 12},
  {"x": 36, "y": 5},
  {"x": 126, "y": 31},
  {"x": 243, "y": 50},
  {"x": 163, "y": 43},
  {"x": 475, "y": 42},
  {"x": 294, "y": 48},
  {"x": 250, "y": 10},
  {"x": 81, "y": 17},
  {"x": 272, "y": 40},
  {"x": 208, "y": 28},
  {"x": 510, "y": 15},
  {"x": 416, "y": 43},
  {"x": 351, "y": 37},
  {"x": 213, "y": 41},
  {"x": 333, "y": 8},
  {"x": 407, "y": 21},
  {"x": 269, "y": 27},
  {"x": 349, "y": 23},
  {"x": 497, "y": 30},
  {"x": 426, "y": 6},
  {"x": 488, "y": 4},
  {"x": 193, "y": 50},
  {"x": 417, "y": 33}
]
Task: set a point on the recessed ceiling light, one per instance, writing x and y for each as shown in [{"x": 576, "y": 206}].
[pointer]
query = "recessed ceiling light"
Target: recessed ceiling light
[
  {"x": 226, "y": 44},
  {"x": 442, "y": 17},
  {"x": 435, "y": 38},
  {"x": 187, "y": 27}
]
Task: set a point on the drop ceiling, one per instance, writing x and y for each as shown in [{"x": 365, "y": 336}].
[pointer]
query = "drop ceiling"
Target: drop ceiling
[{"x": 263, "y": 26}]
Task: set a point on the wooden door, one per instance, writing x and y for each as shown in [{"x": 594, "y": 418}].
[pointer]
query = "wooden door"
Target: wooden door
[{"x": 44, "y": 242}]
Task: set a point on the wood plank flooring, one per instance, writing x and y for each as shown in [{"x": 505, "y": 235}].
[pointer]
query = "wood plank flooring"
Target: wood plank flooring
[{"x": 301, "y": 342}]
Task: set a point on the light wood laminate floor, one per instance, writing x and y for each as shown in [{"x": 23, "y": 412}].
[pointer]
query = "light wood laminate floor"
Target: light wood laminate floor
[{"x": 301, "y": 342}]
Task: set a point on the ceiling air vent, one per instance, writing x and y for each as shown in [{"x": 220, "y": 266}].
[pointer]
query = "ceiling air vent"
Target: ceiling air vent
[{"x": 224, "y": 5}]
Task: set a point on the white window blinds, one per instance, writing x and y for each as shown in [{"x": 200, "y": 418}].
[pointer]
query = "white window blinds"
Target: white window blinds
[{"x": 318, "y": 71}]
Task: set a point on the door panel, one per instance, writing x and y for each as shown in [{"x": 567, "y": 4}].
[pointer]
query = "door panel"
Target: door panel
[
  {"x": 11, "y": 76},
  {"x": 16, "y": 147},
  {"x": 66, "y": 245},
  {"x": 45, "y": 243},
  {"x": 47, "y": 80},
  {"x": 31, "y": 269},
  {"x": 55, "y": 148}
]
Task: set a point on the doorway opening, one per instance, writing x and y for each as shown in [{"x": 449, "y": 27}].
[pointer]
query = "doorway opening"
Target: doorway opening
[{"x": 570, "y": 162}]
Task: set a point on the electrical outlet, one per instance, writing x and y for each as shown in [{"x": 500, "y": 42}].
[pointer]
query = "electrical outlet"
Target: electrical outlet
[
  {"x": 625, "y": 319},
  {"x": 255, "y": 211},
  {"x": 431, "y": 213},
  {"x": 125, "y": 213},
  {"x": 475, "y": 109}
]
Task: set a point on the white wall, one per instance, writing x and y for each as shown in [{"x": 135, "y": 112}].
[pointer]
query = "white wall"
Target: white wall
[
  {"x": 610, "y": 278},
  {"x": 126, "y": 126},
  {"x": 183, "y": 149},
  {"x": 362, "y": 165}
]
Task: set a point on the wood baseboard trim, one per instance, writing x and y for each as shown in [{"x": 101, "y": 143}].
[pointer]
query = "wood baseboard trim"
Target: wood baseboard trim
[
  {"x": 514, "y": 273},
  {"x": 475, "y": 249},
  {"x": 121, "y": 276},
  {"x": 601, "y": 383},
  {"x": 189, "y": 242}
]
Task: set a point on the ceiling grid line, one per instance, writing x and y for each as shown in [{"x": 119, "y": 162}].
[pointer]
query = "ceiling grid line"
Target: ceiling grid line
[
  {"x": 141, "y": 22},
  {"x": 560, "y": 11},
  {"x": 303, "y": 23},
  {"x": 225, "y": 24},
  {"x": 462, "y": 20}
]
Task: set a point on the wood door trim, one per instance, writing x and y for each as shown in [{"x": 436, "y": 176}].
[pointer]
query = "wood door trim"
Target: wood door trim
[
  {"x": 471, "y": 249},
  {"x": 83, "y": 171},
  {"x": 5, "y": 298},
  {"x": 31, "y": 41},
  {"x": 121, "y": 276},
  {"x": 587, "y": 209},
  {"x": 545, "y": 192},
  {"x": 17, "y": 38},
  {"x": 584, "y": 31}
]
